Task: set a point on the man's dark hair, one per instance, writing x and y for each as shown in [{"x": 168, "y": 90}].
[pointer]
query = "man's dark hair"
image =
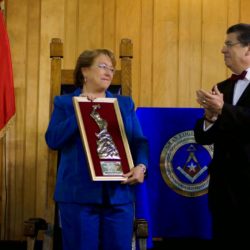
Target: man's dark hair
[{"x": 243, "y": 32}]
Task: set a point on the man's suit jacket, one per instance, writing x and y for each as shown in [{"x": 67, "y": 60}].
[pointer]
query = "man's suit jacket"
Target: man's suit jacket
[
  {"x": 74, "y": 183},
  {"x": 229, "y": 186}
]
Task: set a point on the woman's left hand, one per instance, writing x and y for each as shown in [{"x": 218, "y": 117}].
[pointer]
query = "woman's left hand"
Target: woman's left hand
[{"x": 135, "y": 175}]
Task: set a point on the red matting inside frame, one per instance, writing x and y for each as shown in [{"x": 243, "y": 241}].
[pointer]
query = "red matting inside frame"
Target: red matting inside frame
[{"x": 107, "y": 112}]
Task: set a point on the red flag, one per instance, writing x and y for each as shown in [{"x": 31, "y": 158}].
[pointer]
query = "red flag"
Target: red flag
[{"x": 7, "y": 96}]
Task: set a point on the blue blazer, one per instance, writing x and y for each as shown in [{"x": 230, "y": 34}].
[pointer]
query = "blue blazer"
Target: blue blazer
[{"x": 74, "y": 183}]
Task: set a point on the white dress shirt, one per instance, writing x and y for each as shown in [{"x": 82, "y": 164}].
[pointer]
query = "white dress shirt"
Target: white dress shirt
[{"x": 239, "y": 88}]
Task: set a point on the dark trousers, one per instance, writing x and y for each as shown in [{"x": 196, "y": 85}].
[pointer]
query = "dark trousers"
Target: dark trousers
[{"x": 231, "y": 225}]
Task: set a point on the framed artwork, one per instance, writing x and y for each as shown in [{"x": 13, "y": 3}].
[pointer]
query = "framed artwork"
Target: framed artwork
[{"x": 104, "y": 138}]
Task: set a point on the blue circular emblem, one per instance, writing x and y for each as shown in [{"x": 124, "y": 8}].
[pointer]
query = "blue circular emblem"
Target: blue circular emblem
[{"x": 184, "y": 164}]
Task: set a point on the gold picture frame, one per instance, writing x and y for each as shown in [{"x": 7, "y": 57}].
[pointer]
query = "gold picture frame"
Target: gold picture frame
[{"x": 104, "y": 138}]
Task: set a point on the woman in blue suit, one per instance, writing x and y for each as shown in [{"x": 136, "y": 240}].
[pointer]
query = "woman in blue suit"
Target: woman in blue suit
[{"x": 94, "y": 214}]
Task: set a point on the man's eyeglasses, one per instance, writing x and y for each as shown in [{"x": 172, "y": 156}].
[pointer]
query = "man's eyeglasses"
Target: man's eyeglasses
[
  {"x": 106, "y": 67},
  {"x": 230, "y": 45}
]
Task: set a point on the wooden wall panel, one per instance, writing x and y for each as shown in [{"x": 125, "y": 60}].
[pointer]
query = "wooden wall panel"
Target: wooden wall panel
[
  {"x": 244, "y": 6},
  {"x": 71, "y": 22},
  {"x": 165, "y": 52},
  {"x": 52, "y": 25},
  {"x": 31, "y": 107},
  {"x": 9, "y": 222},
  {"x": 189, "y": 50},
  {"x": 128, "y": 16},
  {"x": 17, "y": 28},
  {"x": 145, "y": 83},
  {"x": 233, "y": 12},
  {"x": 233, "y": 16},
  {"x": 177, "y": 49},
  {"x": 90, "y": 24},
  {"x": 109, "y": 21},
  {"x": 213, "y": 35}
]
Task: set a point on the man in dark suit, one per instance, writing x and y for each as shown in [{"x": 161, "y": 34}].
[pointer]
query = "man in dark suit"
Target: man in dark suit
[{"x": 226, "y": 124}]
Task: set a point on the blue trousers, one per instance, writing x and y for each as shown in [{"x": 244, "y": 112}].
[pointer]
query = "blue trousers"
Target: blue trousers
[{"x": 96, "y": 227}]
